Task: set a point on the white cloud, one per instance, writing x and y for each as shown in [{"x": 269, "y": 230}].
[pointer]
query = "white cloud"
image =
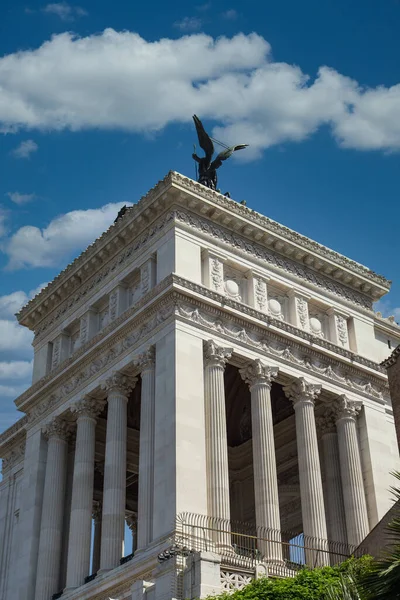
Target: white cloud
[
  {"x": 189, "y": 24},
  {"x": 230, "y": 15},
  {"x": 12, "y": 303},
  {"x": 25, "y": 149},
  {"x": 106, "y": 81},
  {"x": 17, "y": 369},
  {"x": 65, "y": 11},
  {"x": 18, "y": 198},
  {"x": 14, "y": 338},
  {"x": 34, "y": 247},
  {"x": 3, "y": 219}
]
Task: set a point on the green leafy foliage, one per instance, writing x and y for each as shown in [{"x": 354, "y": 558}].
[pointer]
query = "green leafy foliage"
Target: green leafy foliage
[{"x": 315, "y": 584}]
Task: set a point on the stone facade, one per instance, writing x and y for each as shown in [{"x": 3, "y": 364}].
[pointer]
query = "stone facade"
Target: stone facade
[{"x": 197, "y": 367}]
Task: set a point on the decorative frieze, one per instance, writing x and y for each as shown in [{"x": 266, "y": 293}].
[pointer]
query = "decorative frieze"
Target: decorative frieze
[
  {"x": 75, "y": 277},
  {"x": 117, "y": 302},
  {"x": 244, "y": 247},
  {"x": 147, "y": 276},
  {"x": 61, "y": 347},
  {"x": 298, "y": 310},
  {"x": 13, "y": 457},
  {"x": 272, "y": 344},
  {"x": 88, "y": 326},
  {"x": 338, "y": 327}
]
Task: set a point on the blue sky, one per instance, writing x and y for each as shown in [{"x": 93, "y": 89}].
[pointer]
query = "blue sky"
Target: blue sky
[{"x": 96, "y": 101}]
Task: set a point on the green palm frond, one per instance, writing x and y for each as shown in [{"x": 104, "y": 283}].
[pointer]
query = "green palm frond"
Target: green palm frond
[
  {"x": 345, "y": 589},
  {"x": 384, "y": 580}
]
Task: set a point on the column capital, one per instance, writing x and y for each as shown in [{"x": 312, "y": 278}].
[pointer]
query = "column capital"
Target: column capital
[
  {"x": 301, "y": 390},
  {"x": 147, "y": 359},
  {"x": 258, "y": 373},
  {"x": 119, "y": 382},
  {"x": 216, "y": 355},
  {"x": 326, "y": 422},
  {"x": 88, "y": 407},
  {"x": 58, "y": 428},
  {"x": 346, "y": 408}
]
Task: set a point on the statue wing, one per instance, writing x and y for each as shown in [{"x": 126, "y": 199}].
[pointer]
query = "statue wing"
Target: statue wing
[
  {"x": 204, "y": 139},
  {"x": 225, "y": 154}
]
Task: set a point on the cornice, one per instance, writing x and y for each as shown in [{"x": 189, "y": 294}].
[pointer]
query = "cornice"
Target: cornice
[
  {"x": 392, "y": 359},
  {"x": 272, "y": 259},
  {"x": 176, "y": 297},
  {"x": 10, "y": 435},
  {"x": 276, "y": 323},
  {"x": 285, "y": 234},
  {"x": 218, "y": 208},
  {"x": 271, "y": 345}
]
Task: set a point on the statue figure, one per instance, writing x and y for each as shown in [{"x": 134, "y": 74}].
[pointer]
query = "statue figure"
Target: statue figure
[{"x": 207, "y": 166}]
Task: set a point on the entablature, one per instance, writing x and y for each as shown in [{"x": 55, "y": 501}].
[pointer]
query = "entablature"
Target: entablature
[
  {"x": 282, "y": 247},
  {"x": 177, "y": 299}
]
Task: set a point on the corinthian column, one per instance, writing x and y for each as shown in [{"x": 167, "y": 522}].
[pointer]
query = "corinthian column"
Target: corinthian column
[
  {"x": 259, "y": 378},
  {"x": 146, "y": 449},
  {"x": 303, "y": 395},
  {"x": 118, "y": 387},
  {"x": 350, "y": 468},
  {"x": 215, "y": 359},
  {"x": 80, "y": 530},
  {"x": 48, "y": 569},
  {"x": 334, "y": 494}
]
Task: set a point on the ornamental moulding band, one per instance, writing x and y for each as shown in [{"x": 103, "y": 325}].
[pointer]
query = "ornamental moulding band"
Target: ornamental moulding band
[
  {"x": 297, "y": 271},
  {"x": 154, "y": 198},
  {"x": 175, "y": 280},
  {"x": 268, "y": 342}
]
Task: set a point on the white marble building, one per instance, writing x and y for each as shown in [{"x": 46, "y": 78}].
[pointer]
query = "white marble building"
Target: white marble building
[{"x": 197, "y": 364}]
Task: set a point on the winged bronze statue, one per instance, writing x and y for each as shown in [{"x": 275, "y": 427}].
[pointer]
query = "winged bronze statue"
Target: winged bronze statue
[{"x": 207, "y": 166}]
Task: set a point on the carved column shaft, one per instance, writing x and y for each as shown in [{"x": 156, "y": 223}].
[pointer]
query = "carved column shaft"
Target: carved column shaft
[
  {"x": 146, "y": 450},
  {"x": 114, "y": 495},
  {"x": 350, "y": 467},
  {"x": 334, "y": 495},
  {"x": 82, "y": 493},
  {"x": 268, "y": 522},
  {"x": 303, "y": 395},
  {"x": 216, "y": 435},
  {"x": 49, "y": 561}
]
